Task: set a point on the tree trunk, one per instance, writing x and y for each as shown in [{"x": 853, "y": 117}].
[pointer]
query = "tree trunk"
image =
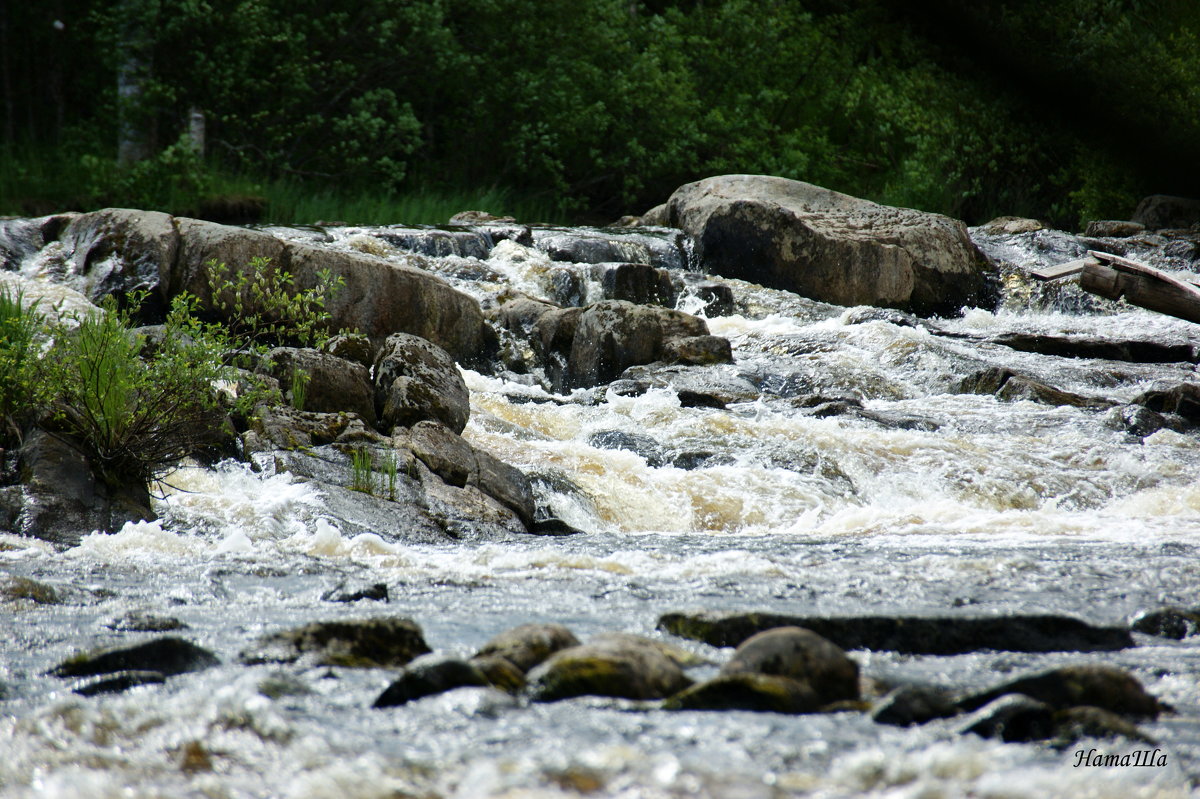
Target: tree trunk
[{"x": 135, "y": 120}]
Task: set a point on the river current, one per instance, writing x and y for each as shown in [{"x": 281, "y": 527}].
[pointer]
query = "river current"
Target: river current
[{"x": 955, "y": 501}]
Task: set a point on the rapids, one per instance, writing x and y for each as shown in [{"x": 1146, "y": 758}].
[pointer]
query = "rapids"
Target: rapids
[{"x": 928, "y": 501}]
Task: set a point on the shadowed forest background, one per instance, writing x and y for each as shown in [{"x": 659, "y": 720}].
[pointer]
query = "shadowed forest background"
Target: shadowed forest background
[{"x": 377, "y": 111}]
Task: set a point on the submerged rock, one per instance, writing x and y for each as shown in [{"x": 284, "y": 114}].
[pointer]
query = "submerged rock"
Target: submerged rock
[
  {"x": 913, "y": 704},
  {"x": 118, "y": 682},
  {"x": 143, "y": 622},
  {"x": 1012, "y": 718},
  {"x": 1105, "y": 687},
  {"x": 763, "y": 693},
  {"x": 928, "y": 635},
  {"x": 528, "y": 645},
  {"x": 359, "y": 643},
  {"x": 377, "y": 592},
  {"x": 829, "y": 246},
  {"x": 168, "y": 656},
  {"x": 801, "y": 655},
  {"x": 1167, "y": 622},
  {"x": 1011, "y": 386},
  {"x": 15, "y": 589}
]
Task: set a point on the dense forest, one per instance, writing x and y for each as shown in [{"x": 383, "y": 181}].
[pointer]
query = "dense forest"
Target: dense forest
[{"x": 1063, "y": 110}]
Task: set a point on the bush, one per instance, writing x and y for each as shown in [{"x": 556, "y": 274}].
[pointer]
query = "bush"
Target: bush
[{"x": 22, "y": 391}]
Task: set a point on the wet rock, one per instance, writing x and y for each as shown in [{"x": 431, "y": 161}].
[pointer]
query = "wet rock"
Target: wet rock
[
  {"x": 1105, "y": 687},
  {"x": 143, "y": 622},
  {"x": 500, "y": 673},
  {"x": 1010, "y": 386},
  {"x": 913, "y": 704},
  {"x": 119, "y": 682},
  {"x": 624, "y": 669},
  {"x": 426, "y": 679},
  {"x": 643, "y": 446},
  {"x": 682, "y": 657},
  {"x": 554, "y": 526},
  {"x": 1168, "y": 622},
  {"x": 698, "y": 350},
  {"x": 580, "y": 246},
  {"x": 1113, "y": 228},
  {"x": 519, "y": 315},
  {"x": 1181, "y": 398},
  {"x": 801, "y": 655},
  {"x": 1139, "y": 421},
  {"x": 641, "y": 284},
  {"x": 861, "y": 316},
  {"x": 831, "y": 247},
  {"x": 359, "y": 643},
  {"x": 414, "y": 380},
  {"x": 352, "y": 347},
  {"x": 528, "y": 645},
  {"x": 1133, "y": 350},
  {"x": 376, "y": 592},
  {"x": 459, "y": 463},
  {"x": 16, "y": 589},
  {"x": 118, "y": 250},
  {"x": 284, "y": 428},
  {"x": 438, "y": 243},
  {"x": 1013, "y": 718},
  {"x": 699, "y": 399},
  {"x": 168, "y": 656},
  {"x": 330, "y": 384},
  {"x": 763, "y": 693},
  {"x": 1162, "y": 211},
  {"x": 929, "y": 635},
  {"x": 717, "y": 297},
  {"x": 1076, "y": 723},
  {"x": 64, "y": 500},
  {"x": 658, "y": 216},
  {"x": 898, "y": 421}
]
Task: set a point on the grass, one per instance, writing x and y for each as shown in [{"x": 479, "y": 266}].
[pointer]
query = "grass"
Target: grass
[{"x": 43, "y": 179}]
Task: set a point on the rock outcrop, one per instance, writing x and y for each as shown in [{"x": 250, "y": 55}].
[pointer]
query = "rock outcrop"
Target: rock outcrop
[{"x": 829, "y": 246}]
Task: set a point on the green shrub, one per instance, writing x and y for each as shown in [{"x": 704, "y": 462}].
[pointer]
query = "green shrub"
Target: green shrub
[{"x": 22, "y": 391}]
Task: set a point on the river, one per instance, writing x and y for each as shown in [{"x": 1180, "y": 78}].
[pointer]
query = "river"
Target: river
[{"x": 931, "y": 500}]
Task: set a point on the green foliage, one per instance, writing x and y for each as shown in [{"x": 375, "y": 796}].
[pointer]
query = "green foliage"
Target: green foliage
[
  {"x": 22, "y": 390},
  {"x": 362, "y": 466},
  {"x": 299, "y": 383}
]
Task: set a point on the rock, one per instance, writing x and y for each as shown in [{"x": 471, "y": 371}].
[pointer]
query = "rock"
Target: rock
[
  {"x": 1137, "y": 420},
  {"x": 16, "y": 589},
  {"x": 284, "y": 428},
  {"x": 611, "y": 336},
  {"x": 1012, "y": 225},
  {"x": 717, "y": 297},
  {"x": 1013, "y": 718},
  {"x": 1113, "y": 228},
  {"x": 142, "y": 622},
  {"x": 500, "y": 673},
  {"x": 913, "y": 704},
  {"x": 378, "y": 297},
  {"x": 1181, "y": 398},
  {"x": 167, "y": 656},
  {"x": 1076, "y": 723},
  {"x": 643, "y": 446},
  {"x": 377, "y": 592},
  {"x": 351, "y": 346},
  {"x": 333, "y": 384},
  {"x": 554, "y": 526},
  {"x": 641, "y": 284},
  {"x": 928, "y": 635},
  {"x": 698, "y": 350},
  {"x": 658, "y": 216},
  {"x": 456, "y": 461},
  {"x": 623, "y": 669},
  {"x": 831, "y": 247},
  {"x": 528, "y": 645},
  {"x": 1105, "y": 687},
  {"x": 63, "y": 499},
  {"x": 1167, "y": 622},
  {"x": 1162, "y": 211},
  {"x": 801, "y": 655},
  {"x": 1133, "y": 350},
  {"x": 414, "y": 380},
  {"x": 1010, "y": 386},
  {"x": 763, "y": 693},
  {"x": 439, "y": 243},
  {"x": 426, "y": 679},
  {"x": 119, "y": 682},
  {"x": 56, "y": 303},
  {"x": 580, "y": 246},
  {"x": 118, "y": 250},
  {"x": 682, "y": 657},
  {"x": 360, "y": 643}
]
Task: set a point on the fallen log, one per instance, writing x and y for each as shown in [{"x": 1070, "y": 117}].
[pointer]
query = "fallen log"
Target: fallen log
[{"x": 1114, "y": 278}]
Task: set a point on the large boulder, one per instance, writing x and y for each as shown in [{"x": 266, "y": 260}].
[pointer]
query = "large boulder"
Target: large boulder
[
  {"x": 829, "y": 246},
  {"x": 120, "y": 249},
  {"x": 624, "y": 668},
  {"x": 330, "y": 384},
  {"x": 355, "y": 643},
  {"x": 801, "y": 655},
  {"x": 528, "y": 645},
  {"x": 1159, "y": 211}
]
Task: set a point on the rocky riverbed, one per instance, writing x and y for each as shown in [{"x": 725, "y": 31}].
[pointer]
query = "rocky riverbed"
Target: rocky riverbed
[{"x": 649, "y": 530}]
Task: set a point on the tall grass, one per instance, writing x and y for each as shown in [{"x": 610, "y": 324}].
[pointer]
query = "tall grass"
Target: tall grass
[{"x": 43, "y": 179}]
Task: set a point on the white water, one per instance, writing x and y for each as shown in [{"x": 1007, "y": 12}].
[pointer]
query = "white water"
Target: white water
[{"x": 1005, "y": 507}]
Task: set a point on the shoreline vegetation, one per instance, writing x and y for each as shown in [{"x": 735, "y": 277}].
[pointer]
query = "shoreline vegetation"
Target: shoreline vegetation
[{"x": 384, "y": 111}]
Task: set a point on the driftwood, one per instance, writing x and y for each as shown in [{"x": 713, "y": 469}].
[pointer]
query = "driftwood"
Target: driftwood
[{"x": 1114, "y": 278}]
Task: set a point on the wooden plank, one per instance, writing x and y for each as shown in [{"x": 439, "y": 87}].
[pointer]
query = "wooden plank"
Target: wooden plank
[
  {"x": 1133, "y": 267},
  {"x": 1069, "y": 269}
]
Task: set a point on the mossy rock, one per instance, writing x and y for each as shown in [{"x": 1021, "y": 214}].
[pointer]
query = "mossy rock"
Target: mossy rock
[
  {"x": 22, "y": 588},
  {"x": 500, "y": 673},
  {"x": 427, "y": 679},
  {"x": 627, "y": 672},
  {"x": 528, "y": 645},
  {"x": 168, "y": 656},
  {"x": 1106, "y": 687},
  {"x": 365, "y": 643}
]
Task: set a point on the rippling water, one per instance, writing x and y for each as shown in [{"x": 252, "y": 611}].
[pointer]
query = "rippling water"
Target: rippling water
[{"x": 983, "y": 504}]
